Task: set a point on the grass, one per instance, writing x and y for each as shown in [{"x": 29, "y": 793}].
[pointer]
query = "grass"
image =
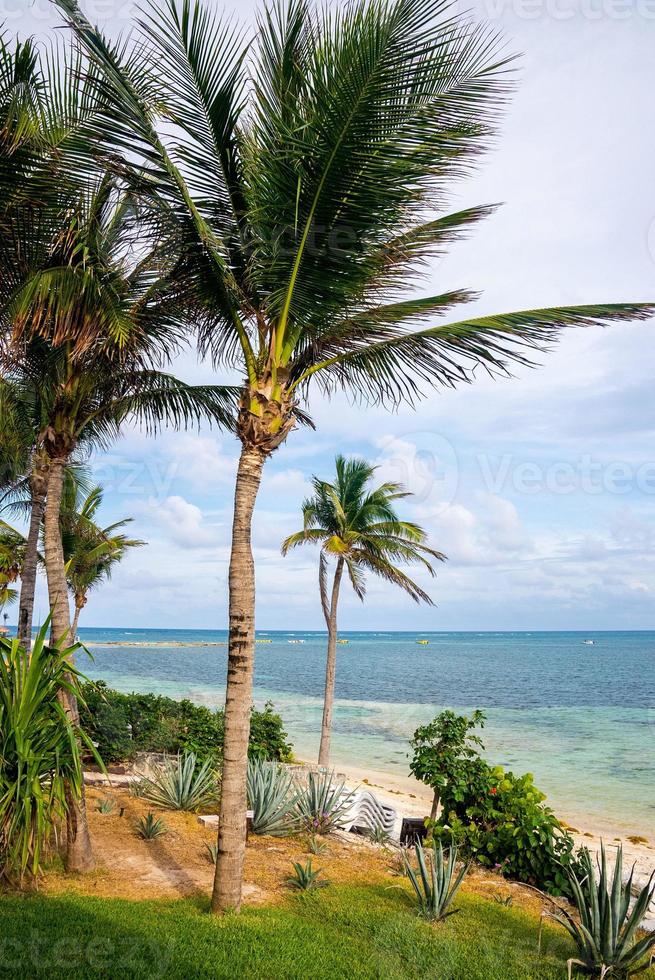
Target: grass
[{"x": 341, "y": 932}]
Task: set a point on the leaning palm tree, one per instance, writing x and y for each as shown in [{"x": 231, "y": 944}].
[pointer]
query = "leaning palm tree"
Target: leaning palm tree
[
  {"x": 91, "y": 552},
  {"x": 358, "y": 528},
  {"x": 308, "y": 169}
]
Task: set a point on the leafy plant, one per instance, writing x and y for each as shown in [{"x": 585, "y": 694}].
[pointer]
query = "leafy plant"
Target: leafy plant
[
  {"x": 124, "y": 724},
  {"x": 272, "y": 799},
  {"x": 304, "y": 878},
  {"x": 442, "y": 751},
  {"x": 180, "y": 784},
  {"x": 106, "y": 806},
  {"x": 151, "y": 827},
  {"x": 322, "y": 804},
  {"x": 315, "y": 845},
  {"x": 40, "y": 760},
  {"x": 501, "y": 820},
  {"x": 435, "y": 882},
  {"x": 606, "y": 933},
  {"x": 211, "y": 852}
]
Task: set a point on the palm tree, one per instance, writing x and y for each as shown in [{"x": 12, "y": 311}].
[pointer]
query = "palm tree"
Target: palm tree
[
  {"x": 91, "y": 552},
  {"x": 359, "y": 529},
  {"x": 308, "y": 169},
  {"x": 93, "y": 305},
  {"x": 23, "y": 469}
]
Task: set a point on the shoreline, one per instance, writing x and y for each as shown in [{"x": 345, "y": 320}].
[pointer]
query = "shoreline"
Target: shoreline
[
  {"x": 416, "y": 799},
  {"x": 413, "y": 799}
]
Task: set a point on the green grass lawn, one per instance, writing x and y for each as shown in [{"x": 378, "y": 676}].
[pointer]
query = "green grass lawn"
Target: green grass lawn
[{"x": 349, "y": 932}]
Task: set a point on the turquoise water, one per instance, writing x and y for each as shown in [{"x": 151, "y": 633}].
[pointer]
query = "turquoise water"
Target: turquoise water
[{"x": 579, "y": 716}]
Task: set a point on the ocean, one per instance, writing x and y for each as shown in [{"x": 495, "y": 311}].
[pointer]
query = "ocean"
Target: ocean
[{"x": 579, "y": 715}]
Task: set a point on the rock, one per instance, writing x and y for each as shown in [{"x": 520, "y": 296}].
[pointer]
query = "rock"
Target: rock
[{"x": 210, "y": 821}]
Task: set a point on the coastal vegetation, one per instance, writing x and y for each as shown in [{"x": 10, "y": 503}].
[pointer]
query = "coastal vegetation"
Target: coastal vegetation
[
  {"x": 122, "y": 725},
  {"x": 303, "y": 174},
  {"x": 357, "y": 528},
  {"x": 499, "y": 819},
  {"x": 40, "y": 752},
  {"x": 266, "y": 200}
]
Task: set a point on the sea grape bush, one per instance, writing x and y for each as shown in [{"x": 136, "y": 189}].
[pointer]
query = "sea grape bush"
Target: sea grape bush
[
  {"x": 497, "y": 818},
  {"x": 123, "y": 724},
  {"x": 501, "y": 820}
]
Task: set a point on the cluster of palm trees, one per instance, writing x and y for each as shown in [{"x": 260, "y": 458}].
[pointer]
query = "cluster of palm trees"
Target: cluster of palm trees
[{"x": 266, "y": 195}]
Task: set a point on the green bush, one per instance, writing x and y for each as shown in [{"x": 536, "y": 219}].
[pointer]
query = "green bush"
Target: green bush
[
  {"x": 123, "y": 724},
  {"x": 501, "y": 820}
]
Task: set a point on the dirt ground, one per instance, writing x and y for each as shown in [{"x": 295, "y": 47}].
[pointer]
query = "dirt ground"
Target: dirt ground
[{"x": 178, "y": 864}]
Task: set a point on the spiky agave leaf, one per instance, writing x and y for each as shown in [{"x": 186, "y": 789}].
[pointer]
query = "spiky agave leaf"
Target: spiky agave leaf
[
  {"x": 605, "y": 930},
  {"x": 181, "y": 783},
  {"x": 436, "y": 883},
  {"x": 272, "y": 798}
]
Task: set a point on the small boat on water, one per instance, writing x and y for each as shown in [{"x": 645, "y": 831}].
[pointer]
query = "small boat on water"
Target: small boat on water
[
  {"x": 343, "y": 642},
  {"x": 589, "y": 643},
  {"x": 423, "y": 643},
  {"x": 295, "y": 641}
]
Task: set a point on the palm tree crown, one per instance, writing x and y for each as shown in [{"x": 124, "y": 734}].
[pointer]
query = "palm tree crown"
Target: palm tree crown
[
  {"x": 91, "y": 552},
  {"x": 360, "y": 526}
]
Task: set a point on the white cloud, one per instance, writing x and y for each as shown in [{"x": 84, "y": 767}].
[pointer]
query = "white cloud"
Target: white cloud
[{"x": 182, "y": 522}]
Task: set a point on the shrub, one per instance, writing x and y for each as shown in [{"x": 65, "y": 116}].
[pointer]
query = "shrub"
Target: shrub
[
  {"x": 322, "y": 804},
  {"x": 442, "y": 749},
  {"x": 272, "y": 798},
  {"x": 40, "y": 759},
  {"x": 500, "y": 819},
  {"x": 180, "y": 784},
  {"x": 123, "y": 724},
  {"x": 435, "y": 882},
  {"x": 605, "y": 935}
]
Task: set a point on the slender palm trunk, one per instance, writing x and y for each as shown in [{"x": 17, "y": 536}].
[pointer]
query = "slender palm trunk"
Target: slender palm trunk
[
  {"x": 30, "y": 561},
  {"x": 238, "y": 701},
  {"x": 330, "y": 669},
  {"x": 79, "y": 856},
  {"x": 79, "y": 606}
]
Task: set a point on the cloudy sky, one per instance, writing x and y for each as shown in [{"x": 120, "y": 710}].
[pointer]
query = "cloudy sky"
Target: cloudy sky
[{"x": 540, "y": 489}]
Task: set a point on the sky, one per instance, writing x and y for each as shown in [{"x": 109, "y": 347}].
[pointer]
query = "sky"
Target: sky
[{"x": 539, "y": 489}]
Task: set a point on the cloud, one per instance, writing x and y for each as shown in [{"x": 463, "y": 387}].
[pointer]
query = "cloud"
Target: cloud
[{"x": 182, "y": 522}]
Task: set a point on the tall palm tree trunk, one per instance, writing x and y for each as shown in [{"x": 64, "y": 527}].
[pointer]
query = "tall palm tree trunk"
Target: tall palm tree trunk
[
  {"x": 38, "y": 485},
  {"x": 238, "y": 699},
  {"x": 330, "y": 668},
  {"x": 79, "y": 856}
]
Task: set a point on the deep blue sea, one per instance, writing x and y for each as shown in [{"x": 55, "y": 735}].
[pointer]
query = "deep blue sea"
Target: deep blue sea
[{"x": 580, "y": 716}]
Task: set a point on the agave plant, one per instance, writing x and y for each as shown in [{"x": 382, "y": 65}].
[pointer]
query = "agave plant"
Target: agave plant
[
  {"x": 272, "y": 798},
  {"x": 40, "y": 755},
  {"x": 315, "y": 845},
  {"x": 211, "y": 852},
  {"x": 606, "y": 933},
  {"x": 106, "y": 806},
  {"x": 150, "y": 827},
  {"x": 435, "y": 881},
  {"x": 180, "y": 784},
  {"x": 322, "y": 804},
  {"x": 304, "y": 878}
]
